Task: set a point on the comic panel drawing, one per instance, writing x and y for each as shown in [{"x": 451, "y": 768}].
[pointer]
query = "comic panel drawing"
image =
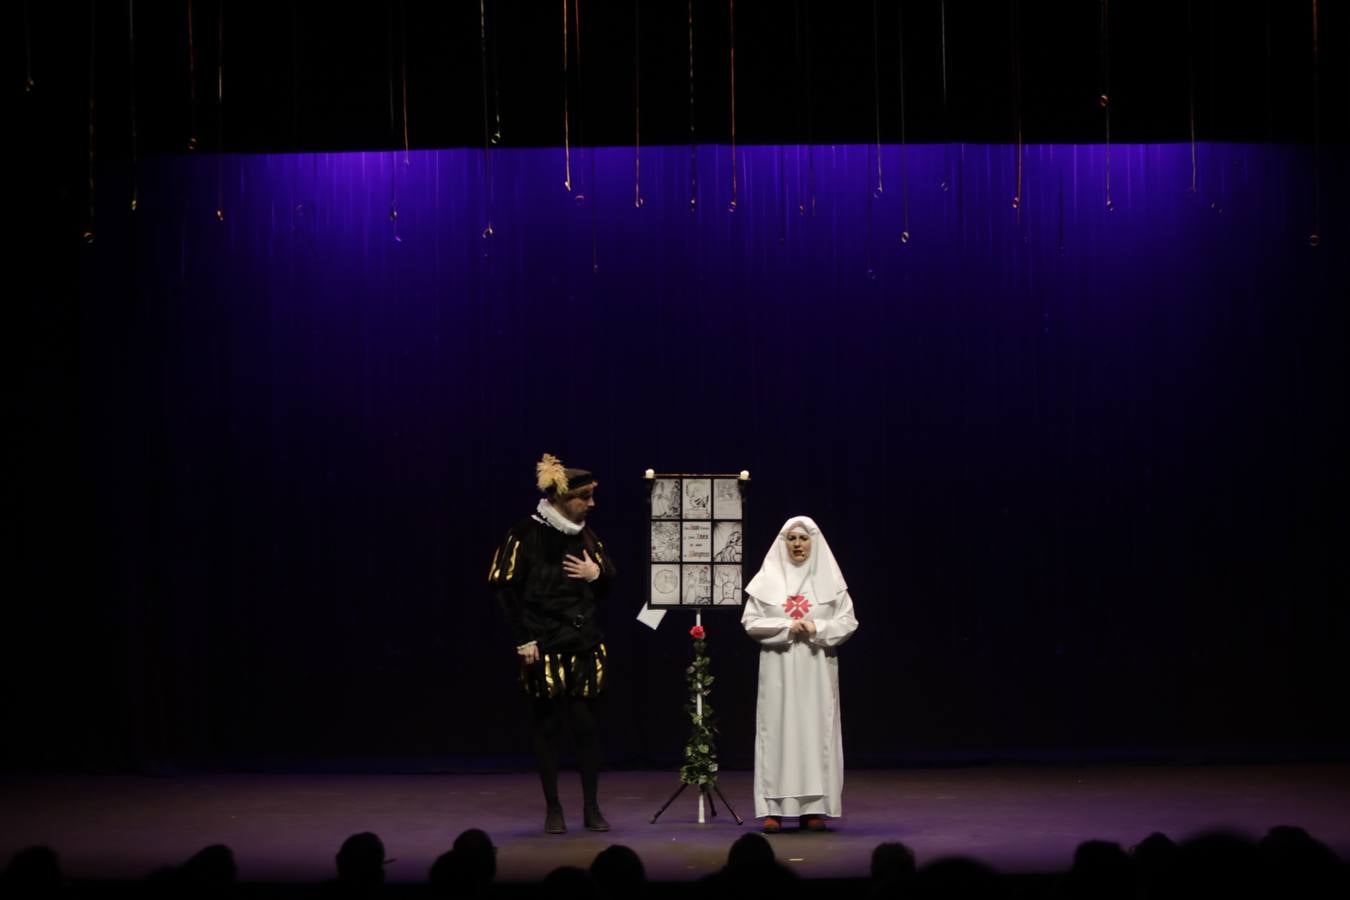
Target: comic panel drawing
[
  {"x": 726, "y": 498},
  {"x": 697, "y": 590},
  {"x": 697, "y": 541},
  {"x": 727, "y": 542},
  {"x": 698, "y": 498},
  {"x": 666, "y": 584},
  {"x": 666, "y": 498},
  {"x": 665, "y": 541},
  {"x": 727, "y": 585}
]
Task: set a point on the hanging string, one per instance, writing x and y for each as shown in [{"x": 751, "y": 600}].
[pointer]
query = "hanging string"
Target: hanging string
[
  {"x": 1214, "y": 204},
  {"x": 393, "y": 123},
  {"x": 876, "y": 99},
  {"x": 731, "y": 16},
  {"x": 403, "y": 105},
  {"x": 810, "y": 119},
  {"x": 220, "y": 113},
  {"x": 904, "y": 157},
  {"x": 1105, "y": 98},
  {"x": 1015, "y": 31},
  {"x": 875, "y": 193},
  {"x": 693, "y": 147},
  {"x": 487, "y": 134},
  {"x": 797, "y": 43},
  {"x": 567, "y": 117},
  {"x": 581, "y": 136},
  {"x": 27, "y": 50},
  {"x": 496, "y": 85},
  {"x": 942, "y": 20},
  {"x": 295, "y": 74},
  {"x": 403, "y": 81},
  {"x": 806, "y": 193},
  {"x": 131, "y": 79},
  {"x": 637, "y": 109},
  {"x": 731, "y": 19},
  {"x": 401, "y": 130},
  {"x": 1190, "y": 77},
  {"x": 1315, "y": 236},
  {"x": 581, "y": 93},
  {"x": 298, "y": 208},
  {"x": 389, "y": 58},
  {"x": 192, "y": 82},
  {"x": 93, "y": 31},
  {"x": 403, "y": 73},
  {"x": 946, "y": 182}
]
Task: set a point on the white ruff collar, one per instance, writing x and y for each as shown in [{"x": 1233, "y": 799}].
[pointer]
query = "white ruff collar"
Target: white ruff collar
[{"x": 549, "y": 515}]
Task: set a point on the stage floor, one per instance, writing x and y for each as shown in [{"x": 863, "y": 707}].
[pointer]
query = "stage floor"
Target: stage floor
[{"x": 287, "y": 828}]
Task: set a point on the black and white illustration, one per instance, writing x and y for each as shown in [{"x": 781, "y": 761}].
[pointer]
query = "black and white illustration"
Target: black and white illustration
[
  {"x": 697, "y": 590},
  {"x": 726, "y": 498},
  {"x": 665, "y": 584},
  {"x": 697, "y": 553},
  {"x": 726, "y": 585},
  {"x": 666, "y": 498},
  {"x": 697, "y": 541},
  {"x": 698, "y": 498},
  {"x": 665, "y": 542},
  {"x": 726, "y": 542}
]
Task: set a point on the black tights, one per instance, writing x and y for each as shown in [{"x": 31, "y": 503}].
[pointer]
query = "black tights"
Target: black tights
[{"x": 550, "y": 715}]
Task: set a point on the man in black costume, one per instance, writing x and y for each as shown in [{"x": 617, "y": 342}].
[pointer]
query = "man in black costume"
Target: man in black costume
[{"x": 548, "y": 573}]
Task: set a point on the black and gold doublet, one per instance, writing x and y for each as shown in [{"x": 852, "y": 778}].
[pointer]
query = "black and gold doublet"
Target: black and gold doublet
[{"x": 541, "y": 603}]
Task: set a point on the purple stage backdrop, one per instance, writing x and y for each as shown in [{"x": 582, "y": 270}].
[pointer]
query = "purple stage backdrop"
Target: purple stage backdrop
[{"x": 1081, "y": 456}]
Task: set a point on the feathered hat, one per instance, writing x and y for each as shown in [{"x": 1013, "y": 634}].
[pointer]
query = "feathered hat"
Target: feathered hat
[{"x": 555, "y": 480}]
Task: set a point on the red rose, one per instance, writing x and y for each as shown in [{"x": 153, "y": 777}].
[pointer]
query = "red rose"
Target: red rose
[{"x": 696, "y": 632}]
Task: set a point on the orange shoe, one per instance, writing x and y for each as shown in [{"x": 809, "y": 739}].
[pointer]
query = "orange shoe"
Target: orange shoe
[
  {"x": 812, "y": 823},
  {"x": 772, "y": 825}
]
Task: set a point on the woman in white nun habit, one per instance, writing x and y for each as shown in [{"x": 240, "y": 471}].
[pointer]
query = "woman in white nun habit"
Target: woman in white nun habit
[{"x": 799, "y": 610}]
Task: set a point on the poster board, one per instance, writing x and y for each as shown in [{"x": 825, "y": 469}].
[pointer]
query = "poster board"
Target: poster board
[{"x": 696, "y": 540}]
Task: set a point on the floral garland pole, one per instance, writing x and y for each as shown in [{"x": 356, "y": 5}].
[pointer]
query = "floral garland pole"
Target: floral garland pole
[{"x": 700, "y": 753}]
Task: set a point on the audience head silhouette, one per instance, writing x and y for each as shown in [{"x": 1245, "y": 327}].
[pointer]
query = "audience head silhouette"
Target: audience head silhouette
[{"x": 361, "y": 859}]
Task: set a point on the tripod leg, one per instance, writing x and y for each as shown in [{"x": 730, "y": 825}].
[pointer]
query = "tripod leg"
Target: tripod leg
[
  {"x": 677, "y": 793},
  {"x": 730, "y": 808},
  {"x": 712, "y": 807}
]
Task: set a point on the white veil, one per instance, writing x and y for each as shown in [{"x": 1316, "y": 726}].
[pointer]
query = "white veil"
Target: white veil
[{"x": 771, "y": 584}]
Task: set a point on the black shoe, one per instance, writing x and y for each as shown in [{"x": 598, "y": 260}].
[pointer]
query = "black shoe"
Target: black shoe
[
  {"x": 554, "y": 822},
  {"x": 593, "y": 819}
]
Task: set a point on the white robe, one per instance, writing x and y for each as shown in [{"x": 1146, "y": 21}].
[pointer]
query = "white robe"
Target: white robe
[{"x": 799, "y": 742}]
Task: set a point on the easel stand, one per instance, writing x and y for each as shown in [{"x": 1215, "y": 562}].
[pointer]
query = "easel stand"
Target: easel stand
[{"x": 705, "y": 791}]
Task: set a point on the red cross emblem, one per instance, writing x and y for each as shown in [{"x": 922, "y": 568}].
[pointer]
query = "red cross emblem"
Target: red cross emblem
[{"x": 797, "y": 606}]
